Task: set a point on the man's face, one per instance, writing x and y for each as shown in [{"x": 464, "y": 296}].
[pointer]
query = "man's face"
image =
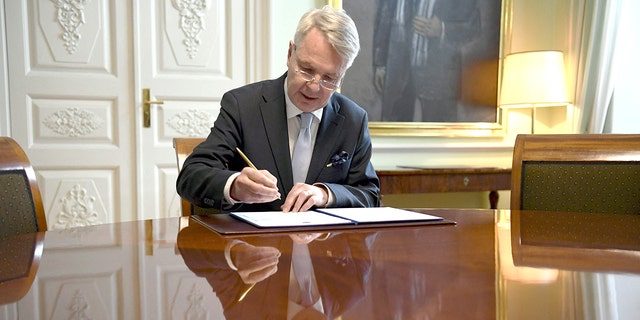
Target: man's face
[{"x": 317, "y": 58}]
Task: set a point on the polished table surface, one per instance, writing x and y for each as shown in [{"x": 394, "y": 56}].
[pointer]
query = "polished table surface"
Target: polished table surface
[{"x": 492, "y": 264}]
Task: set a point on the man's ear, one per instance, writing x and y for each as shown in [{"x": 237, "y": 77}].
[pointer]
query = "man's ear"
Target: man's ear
[{"x": 291, "y": 48}]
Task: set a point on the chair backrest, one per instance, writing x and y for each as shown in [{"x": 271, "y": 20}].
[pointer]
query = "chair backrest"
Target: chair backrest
[
  {"x": 577, "y": 173},
  {"x": 184, "y": 147},
  {"x": 21, "y": 208}
]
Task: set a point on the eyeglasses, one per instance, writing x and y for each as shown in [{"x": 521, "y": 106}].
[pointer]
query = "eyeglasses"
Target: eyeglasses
[
  {"x": 308, "y": 77},
  {"x": 329, "y": 85}
]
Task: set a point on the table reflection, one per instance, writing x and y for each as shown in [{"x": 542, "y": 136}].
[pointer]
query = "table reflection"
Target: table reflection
[
  {"x": 489, "y": 265},
  {"x": 430, "y": 272},
  {"x": 576, "y": 241},
  {"x": 341, "y": 265},
  {"x": 561, "y": 265}
]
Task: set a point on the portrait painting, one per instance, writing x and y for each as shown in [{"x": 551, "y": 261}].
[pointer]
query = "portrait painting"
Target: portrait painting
[{"x": 426, "y": 61}]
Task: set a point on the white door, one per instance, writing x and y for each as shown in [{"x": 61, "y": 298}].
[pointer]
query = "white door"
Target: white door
[
  {"x": 76, "y": 72},
  {"x": 70, "y": 103},
  {"x": 188, "y": 54}
]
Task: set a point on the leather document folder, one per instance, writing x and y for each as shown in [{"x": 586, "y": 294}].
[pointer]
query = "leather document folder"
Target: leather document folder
[{"x": 317, "y": 220}]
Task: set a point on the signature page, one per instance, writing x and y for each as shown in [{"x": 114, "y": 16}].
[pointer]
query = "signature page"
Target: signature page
[
  {"x": 378, "y": 214},
  {"x": 264, "y": 219}
]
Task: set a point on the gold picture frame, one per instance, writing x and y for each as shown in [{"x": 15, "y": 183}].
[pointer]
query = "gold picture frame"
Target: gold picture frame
[{"x": 477, "y": 86}]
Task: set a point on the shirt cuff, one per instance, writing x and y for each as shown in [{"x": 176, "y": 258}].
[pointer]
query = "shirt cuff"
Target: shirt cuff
[
  {"x": 227, "y": 254},
  {"x": 227, "y": 189},
  {"x": 331, "y": 198}
]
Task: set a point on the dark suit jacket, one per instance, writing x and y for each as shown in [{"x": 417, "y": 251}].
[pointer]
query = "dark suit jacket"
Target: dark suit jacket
[
  {"x": 342, "y": 264},
  {"x": 253, "y": 118}
]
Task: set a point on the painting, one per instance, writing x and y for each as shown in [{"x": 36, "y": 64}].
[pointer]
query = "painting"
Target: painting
[{"x": 427, "y": 67}]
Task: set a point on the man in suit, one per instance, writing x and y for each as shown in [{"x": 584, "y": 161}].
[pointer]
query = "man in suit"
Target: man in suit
[{"x": 262, "y": 120}]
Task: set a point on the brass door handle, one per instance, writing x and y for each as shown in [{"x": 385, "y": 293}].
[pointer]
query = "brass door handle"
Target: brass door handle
[{"x": 146, "y": 107}]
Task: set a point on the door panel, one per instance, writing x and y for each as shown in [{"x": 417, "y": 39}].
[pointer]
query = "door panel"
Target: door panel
[
  {"x": 75, "y": 76},
  {"x": 189, "y": 55},
  {"x": 76, "y": 72},
  {"x": 70, "y": 99}
]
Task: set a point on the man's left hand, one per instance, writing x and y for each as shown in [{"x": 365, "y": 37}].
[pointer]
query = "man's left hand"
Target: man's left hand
[{"x": 304, "y": 196}]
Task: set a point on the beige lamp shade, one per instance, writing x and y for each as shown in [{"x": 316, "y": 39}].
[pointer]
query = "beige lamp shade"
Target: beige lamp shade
[{"x": 533, "y": 78}]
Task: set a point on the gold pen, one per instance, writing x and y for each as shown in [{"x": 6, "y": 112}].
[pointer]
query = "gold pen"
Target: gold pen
[
  {"x": 245, "y": 158},
  {"x": 246, "y": 291}
]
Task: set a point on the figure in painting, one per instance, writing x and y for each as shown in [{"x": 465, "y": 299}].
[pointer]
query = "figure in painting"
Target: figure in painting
[{"x": 419, "y": 49}]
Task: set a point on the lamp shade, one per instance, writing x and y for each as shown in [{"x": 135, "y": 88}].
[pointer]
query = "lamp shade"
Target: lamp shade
[{"x": 533, "y": 78}]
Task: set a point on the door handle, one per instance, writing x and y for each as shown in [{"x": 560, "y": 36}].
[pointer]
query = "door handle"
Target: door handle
[{"x": 146, "y": 107}]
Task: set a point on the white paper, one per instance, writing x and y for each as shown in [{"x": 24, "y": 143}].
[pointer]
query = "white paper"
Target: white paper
[
  {"x": 289, "y": 219},
  {"x": 378, "y": 214}
]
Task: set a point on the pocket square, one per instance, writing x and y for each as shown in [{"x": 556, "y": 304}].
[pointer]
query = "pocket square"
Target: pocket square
[{"x": 338, "y": 159}]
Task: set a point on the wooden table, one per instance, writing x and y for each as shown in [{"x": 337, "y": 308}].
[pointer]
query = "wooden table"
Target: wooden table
[
  {"x": 175, "y": 268},
  {"x": 442, "y": 179}
]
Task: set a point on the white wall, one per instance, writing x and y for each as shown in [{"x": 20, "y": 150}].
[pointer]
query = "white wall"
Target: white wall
[
  {"x": 625, "y": 116},
  {"x": 4, "y": 90},
  {"x": 285, "y": 16},
  {"x": 626, "y": 110}
]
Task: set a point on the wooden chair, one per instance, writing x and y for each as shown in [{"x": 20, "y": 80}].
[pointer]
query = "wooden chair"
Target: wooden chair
[
  {"x": 21, "y": 208},
  {"x": 577, "y": 173},
  {"x": 184, "y": 147}
]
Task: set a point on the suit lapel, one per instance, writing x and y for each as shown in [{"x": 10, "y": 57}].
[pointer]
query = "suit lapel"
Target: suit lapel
[
  {"x": 274, "y": 117},
  {"x": 328, "y": 136},
  {"x": 275, "y": 123}
]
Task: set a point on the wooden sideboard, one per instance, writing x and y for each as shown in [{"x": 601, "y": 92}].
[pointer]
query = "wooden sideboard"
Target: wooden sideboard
[{"x": 445, "y": 179}]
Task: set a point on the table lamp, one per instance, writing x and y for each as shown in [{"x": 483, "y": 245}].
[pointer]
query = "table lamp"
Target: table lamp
[{"x": 532, "y": 80}]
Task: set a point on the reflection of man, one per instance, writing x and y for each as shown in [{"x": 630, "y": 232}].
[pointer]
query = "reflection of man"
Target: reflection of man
[
  {"x": 340, "y": 262},
  {"x": 417, "y": 55}
]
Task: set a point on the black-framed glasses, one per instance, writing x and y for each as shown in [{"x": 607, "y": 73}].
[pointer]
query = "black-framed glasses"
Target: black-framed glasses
[{"x": 308, "y": 77}]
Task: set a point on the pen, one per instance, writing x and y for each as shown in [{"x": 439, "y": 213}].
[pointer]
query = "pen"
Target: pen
[
  {"x": 245, "y": 291},
  {"x": 246, "y": 159}
]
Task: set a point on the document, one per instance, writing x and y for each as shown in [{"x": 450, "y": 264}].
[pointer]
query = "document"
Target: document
[
  {"x": 331, "y": 216},
  {"x": 379, "y": 214},
  {"x": 290, "y": 219}
]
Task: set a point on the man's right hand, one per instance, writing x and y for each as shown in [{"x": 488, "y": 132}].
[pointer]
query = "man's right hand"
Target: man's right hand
[
  {"x": 254, "y": 264},
  {"x": 254, "y": 186}
]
